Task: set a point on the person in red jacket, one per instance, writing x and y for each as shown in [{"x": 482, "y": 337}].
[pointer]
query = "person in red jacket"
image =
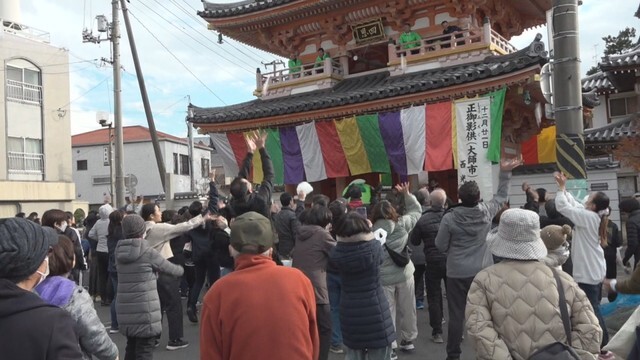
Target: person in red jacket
[{"x": 260, "y": 310}]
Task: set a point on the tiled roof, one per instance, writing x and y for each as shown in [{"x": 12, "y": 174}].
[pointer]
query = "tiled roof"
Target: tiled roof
[
  {"x": 598, "y": 82},
  {"x": 213, "y": 10},
  {"x": 376, "y": 86},
  {"x": 592, "y": 164},
  {"x": 614, "y": 131},
  {"x": 130, "y": 134},
  {"x": 630, "y": 58}
]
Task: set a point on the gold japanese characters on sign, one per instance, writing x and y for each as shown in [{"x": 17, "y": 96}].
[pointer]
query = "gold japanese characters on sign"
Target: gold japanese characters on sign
[{"x": 369, "y": 31}]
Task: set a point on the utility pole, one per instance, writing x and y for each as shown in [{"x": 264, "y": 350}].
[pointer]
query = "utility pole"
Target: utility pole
[
  {"x": 567, "y": 95},
  {"x": 145, "y": 97},
  {"x": 117, "y": 105}
]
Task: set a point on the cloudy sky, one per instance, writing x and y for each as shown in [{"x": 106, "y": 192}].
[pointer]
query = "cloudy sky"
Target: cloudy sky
[{"x": 196, "y": 66}]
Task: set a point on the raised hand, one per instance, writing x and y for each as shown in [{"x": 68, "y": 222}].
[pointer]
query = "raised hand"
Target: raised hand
[
  {"x": 510, "y": 164},
  {"x": 260, "y": 138},
  {"x": 251, "y": 142},
  {"x": 561, "y": 179},
  {"x": 212, "y": 175},
  {"x": 403, "y": 188}
]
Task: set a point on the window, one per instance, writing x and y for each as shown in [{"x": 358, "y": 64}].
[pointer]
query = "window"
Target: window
[
  {"x": 622, "y": 106},
  {"x": 204, "y": 164},
  {"x": 25, "y": 155},
  {"x": 23, "y": 84},
  {"x": 81, "y": 165},
  {"x": 176, "y": 164},
  {"x": 184, "y": 165},
  {"x": 101, "y": 180}
]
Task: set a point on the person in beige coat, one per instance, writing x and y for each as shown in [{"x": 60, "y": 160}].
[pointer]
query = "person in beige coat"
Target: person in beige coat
[{"x": 513, "y": 306}]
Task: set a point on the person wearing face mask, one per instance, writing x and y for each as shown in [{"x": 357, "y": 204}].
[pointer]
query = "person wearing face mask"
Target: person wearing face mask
[
  {"x": 58, "y": 220},
  {"x": 58, "y": 290},
  {"x": 25, "y": 319}
]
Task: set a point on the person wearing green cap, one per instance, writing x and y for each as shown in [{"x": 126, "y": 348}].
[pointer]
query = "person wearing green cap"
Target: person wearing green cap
[{"x": 260, "y": 310}]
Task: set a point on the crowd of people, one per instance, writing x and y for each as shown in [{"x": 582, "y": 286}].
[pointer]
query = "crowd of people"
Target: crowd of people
[{"x": 316, "y": 276}]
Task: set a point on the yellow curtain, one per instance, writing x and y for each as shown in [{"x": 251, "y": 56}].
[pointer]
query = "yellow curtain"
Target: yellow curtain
[{"x": 353, "y": 146}]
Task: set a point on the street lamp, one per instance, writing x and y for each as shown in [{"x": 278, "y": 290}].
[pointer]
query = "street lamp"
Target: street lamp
[{"x": 102, "y": 118}]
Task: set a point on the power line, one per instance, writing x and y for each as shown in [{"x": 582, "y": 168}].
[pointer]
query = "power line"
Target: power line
[
  {"x": 176, "y": 58},
  {"x": 172, "y": 105},
  {"x": 199, "y": 42},
  {"x": 85, "y": 94},
  {"x": 198, "y": 20}
]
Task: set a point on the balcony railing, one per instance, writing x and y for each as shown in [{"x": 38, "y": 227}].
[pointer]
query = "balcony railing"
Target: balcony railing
[
  {"x": 305, "y": 72},
  {"x": 28, "y": 32},
  {"x": 25, "y": 163},
  {"x": 465, "y": 39},
  {"x": 23, "y": 92}
]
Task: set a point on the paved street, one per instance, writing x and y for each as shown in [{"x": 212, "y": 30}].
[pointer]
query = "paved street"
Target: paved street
[{"x": 425, "y": 349}]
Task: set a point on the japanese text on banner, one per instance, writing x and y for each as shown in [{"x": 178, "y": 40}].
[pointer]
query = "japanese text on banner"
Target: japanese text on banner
[{"x": 473, "y": 127}]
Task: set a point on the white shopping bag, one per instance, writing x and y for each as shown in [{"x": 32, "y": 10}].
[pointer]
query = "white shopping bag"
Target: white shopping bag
[{"x": 623, "y": 341}]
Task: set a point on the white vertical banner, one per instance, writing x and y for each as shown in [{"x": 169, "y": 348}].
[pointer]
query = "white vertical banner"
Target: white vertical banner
[
  {"x": 311, "y": 152},
  {"x": 413, "y": 122},
  {"x": 473, "y": 133}
]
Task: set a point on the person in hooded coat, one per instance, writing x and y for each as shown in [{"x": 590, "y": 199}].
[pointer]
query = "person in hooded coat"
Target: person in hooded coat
[
  {"x": 365, "y": 318},
  {"x": 138, "y": 304}
]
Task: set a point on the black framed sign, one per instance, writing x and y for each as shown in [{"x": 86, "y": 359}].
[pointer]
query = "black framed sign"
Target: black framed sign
[{"x": 369, "y": 31}]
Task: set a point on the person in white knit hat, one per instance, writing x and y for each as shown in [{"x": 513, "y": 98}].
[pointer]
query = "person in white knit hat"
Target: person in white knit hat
[
  {"x": 513, "y": 307},
  {"x": 555, "y": 240}
]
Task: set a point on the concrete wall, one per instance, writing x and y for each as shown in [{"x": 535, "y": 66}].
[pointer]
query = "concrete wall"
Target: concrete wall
[
  {"x": 57, "y": 190},
  {"x": 518, "y": 198},
  {"x": 139, "y": 160}
]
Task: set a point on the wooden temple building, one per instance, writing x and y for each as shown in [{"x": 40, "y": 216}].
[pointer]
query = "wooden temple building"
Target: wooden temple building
[{"x": 369, "y": 76}]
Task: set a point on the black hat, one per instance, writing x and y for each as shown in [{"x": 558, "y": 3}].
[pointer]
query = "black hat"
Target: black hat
[
  {"x": 23, "y": 247},
  {"x": 133, "y": 226}
]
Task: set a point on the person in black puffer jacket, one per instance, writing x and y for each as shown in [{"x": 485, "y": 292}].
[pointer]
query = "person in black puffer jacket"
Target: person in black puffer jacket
[
  {"x": 632, "y": 208},
  {"x": 425, "y": 232},
  {"x": 206, "y": 266},
  {"x": 221, "y": 241},
  {"x": 365, "y": 317},
  {"x": 287, "y": 224}
]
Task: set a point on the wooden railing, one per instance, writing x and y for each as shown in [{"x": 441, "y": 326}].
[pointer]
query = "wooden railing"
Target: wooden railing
[
  {"x": 306, "y": 71},
  {"x": 466, "y": 38}
]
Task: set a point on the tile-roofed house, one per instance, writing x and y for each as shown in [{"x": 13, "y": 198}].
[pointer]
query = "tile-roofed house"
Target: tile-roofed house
[
  {"x": 612, "y": 133},
  {"x": 130, "y": 134},
  {"x": 598, "y": 82},
  {"x": 91, "y": 159}
]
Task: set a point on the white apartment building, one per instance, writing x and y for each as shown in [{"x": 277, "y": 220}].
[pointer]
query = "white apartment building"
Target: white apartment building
[{"x": 35, "y": 145}]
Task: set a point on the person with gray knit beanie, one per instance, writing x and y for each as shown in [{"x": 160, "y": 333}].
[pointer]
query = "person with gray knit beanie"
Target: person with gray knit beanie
[
  {"x": 137, "y": 304},
  {"x": 24, "y": 263}
]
